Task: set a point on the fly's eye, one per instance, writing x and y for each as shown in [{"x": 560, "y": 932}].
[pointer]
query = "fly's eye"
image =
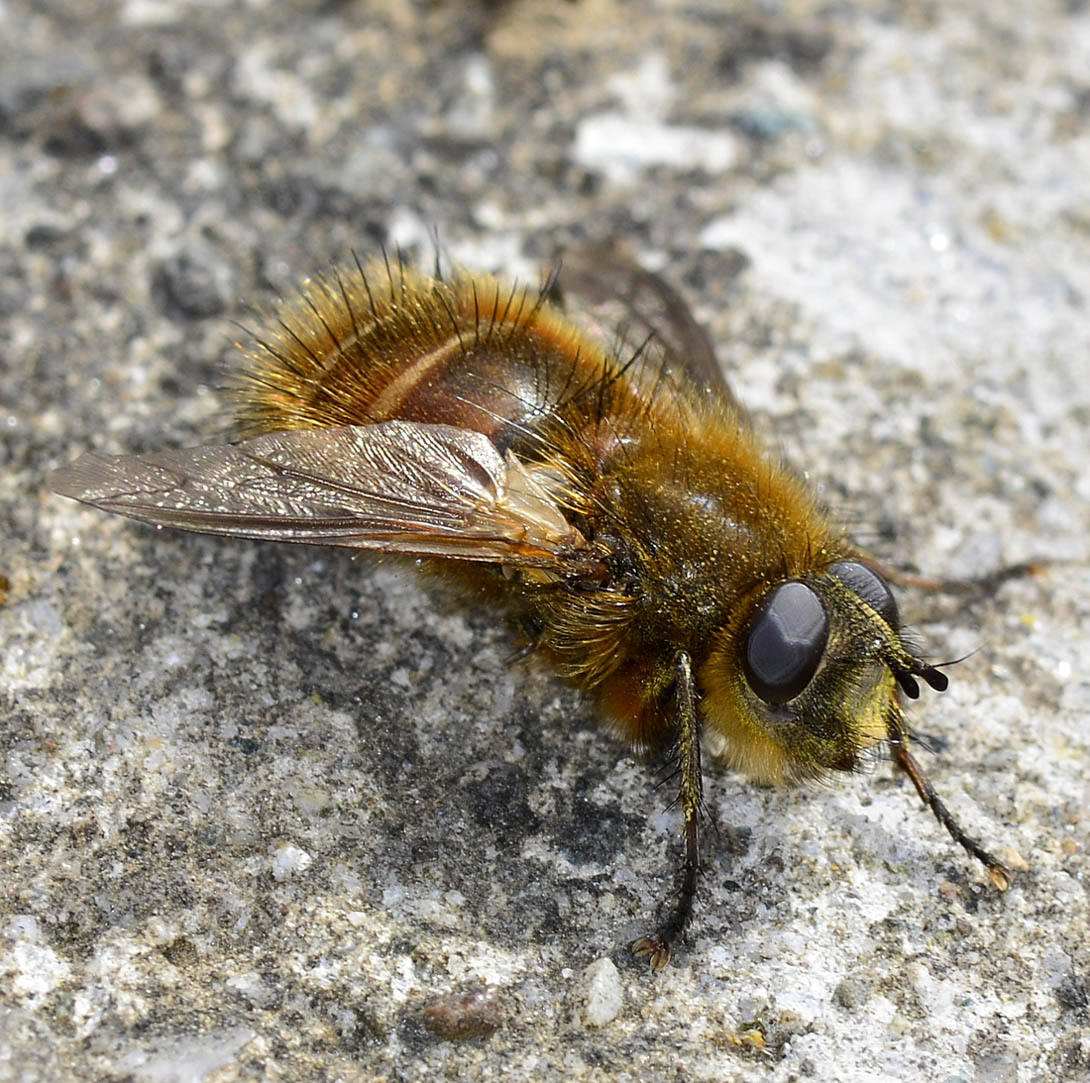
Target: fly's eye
[
  {"x": 786, "y": 643},
  {"x": 859, "y": 579}
]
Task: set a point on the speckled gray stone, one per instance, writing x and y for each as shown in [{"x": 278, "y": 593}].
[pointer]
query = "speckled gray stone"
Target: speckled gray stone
[{"x": 266, "y": 809}]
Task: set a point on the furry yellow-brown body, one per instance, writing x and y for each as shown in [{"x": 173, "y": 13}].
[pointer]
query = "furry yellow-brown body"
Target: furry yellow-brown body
[
  {"x": 695, "y": 521},
  {"x": 622, "y": 507}
]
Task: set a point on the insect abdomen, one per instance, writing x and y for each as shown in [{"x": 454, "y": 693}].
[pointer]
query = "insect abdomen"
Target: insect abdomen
[{"x": 393, "y": 344}]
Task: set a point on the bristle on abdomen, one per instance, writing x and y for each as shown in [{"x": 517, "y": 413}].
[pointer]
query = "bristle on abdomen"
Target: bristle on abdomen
[{"x": 385, "y": 342}]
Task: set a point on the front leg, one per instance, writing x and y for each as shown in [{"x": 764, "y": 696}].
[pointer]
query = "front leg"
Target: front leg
[
  {"x": 999, "y": 873},
  {"x": 986, "y": 583},
  {"x": 691, "y": 798}
]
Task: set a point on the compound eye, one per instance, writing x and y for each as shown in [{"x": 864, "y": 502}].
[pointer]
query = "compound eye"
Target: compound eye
[
  {"x": 859, "y": 579},
  {"x": 786, "y": 643}
]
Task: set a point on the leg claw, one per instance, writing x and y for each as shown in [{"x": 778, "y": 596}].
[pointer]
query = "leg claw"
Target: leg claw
[{"x": 656, "y": 950}]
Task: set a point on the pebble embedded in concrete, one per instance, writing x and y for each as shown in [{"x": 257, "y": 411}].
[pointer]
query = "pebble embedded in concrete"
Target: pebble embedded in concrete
[{"x": 599, "y": 994}]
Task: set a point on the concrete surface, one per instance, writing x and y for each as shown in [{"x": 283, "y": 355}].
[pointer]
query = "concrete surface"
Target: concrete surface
[{"x": 272, "y": 814}]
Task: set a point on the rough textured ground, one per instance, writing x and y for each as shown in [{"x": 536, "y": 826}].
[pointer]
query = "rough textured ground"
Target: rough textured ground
[{"x": 271, "y": 814}]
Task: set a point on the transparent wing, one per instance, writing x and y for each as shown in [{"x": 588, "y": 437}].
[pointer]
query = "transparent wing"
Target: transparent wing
[
  {"x": 611, "y": 281},
  {"x": 397, "y": 487}
]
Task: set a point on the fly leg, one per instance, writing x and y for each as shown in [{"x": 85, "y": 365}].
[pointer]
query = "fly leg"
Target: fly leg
[
  {"x": 532, "y": 635},
  {"x": 691, "y": 798},
  {"x": 980, "y": 584},
  {"x": 997, "y": 871}
]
